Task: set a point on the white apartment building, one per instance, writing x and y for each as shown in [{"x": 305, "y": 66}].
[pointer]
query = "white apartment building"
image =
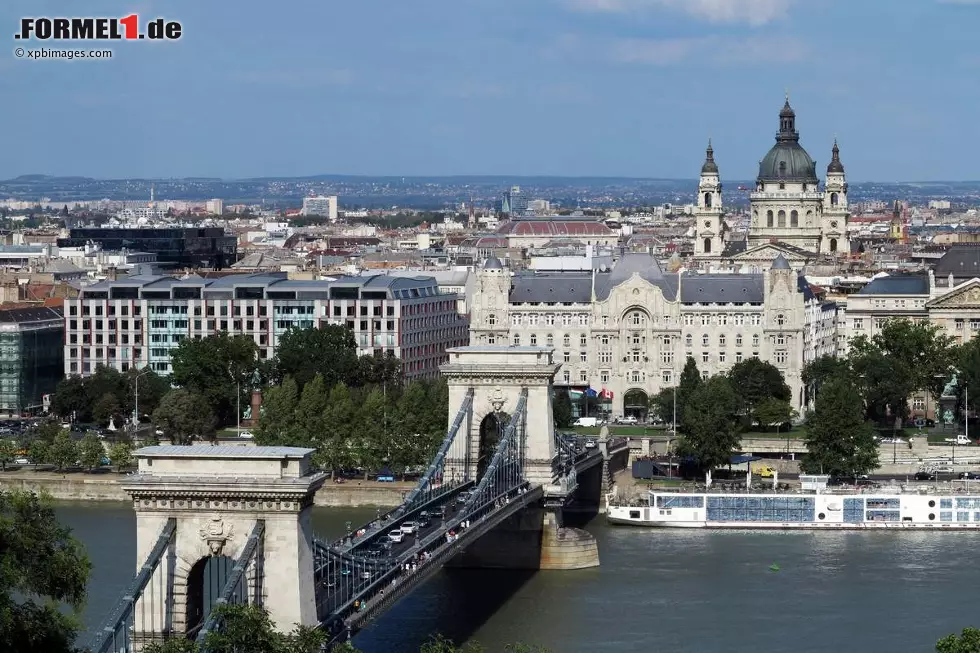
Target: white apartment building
[
  {"x": 629, "y": 328},
  {"x": 136, "y": 321},
  {"x": 215, "y": 206},
  {"x": 325, "y": 206}
]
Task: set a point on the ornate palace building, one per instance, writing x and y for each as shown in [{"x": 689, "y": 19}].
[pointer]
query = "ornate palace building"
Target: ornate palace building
[
  {"x": 627, "y": 329},
  {"x": 791, "y": 215}
]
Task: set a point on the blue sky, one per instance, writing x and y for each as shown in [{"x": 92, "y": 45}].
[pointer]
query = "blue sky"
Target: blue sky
[{"x": 512, "y": 87}]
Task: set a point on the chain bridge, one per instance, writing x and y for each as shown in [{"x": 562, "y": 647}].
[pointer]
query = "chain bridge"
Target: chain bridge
[{"x": 232, "y": 524}]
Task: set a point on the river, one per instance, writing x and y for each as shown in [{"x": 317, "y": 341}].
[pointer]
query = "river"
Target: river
[{"x": 678, "y": 591}]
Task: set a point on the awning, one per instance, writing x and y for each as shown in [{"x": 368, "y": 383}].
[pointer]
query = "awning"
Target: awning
[{"x": 743, "y": 458}]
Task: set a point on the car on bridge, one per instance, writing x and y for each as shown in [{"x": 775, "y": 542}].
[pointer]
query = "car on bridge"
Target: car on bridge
[
  {"x": 409, "y": 527},
  {"x": 396, "y": 536}
]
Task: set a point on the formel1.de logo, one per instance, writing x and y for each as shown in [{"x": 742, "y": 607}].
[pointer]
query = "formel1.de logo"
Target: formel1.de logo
[{"x": 98, "y": 29}]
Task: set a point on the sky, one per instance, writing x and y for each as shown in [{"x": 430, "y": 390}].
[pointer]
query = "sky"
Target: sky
[{"x": 498, "y": 87}]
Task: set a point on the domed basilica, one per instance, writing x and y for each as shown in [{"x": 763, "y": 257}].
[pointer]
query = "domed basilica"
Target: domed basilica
[{"x": 791, "y": 215}]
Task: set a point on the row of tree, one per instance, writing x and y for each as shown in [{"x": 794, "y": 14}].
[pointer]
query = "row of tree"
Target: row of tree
[{"x": 50, "y": 444}]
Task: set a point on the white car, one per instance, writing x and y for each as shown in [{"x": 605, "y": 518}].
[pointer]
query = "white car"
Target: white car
[
  {"x": 396, "y": 536},
  {"x": 409, "y": 527},
  {"x": 246, "y": 435}
]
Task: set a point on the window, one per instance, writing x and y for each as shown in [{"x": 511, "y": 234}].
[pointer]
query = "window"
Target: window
[
  {"x": 755, "y": 319},
  {"x": 636, "y": 318},
  {"x": 666, "y": 377},
  {"x": 583, "y": 376},
  {"x": 567, "y": 356},
  {"x": 755, "y": 340},
  {"x": 780, "y": 320},
  {"x": 491, "y": 339},
  {"x": 858, "y": 324},
  {"x": 705, "y": 319},
  {"x": 566, "y": 376},
  {"x": 492, "y": 320},
  {"x": 738, "y": 357},
  {"x": 517, "y": 340},
  {"x": 781, "y": 218},
  {"x": 780, "y": 339},
  {"x": 721, "y": 340},
  {"x": 667, "y": 357},
  {"x": 769, "y": 218},
  {"x": 604, "y": 340},
  {"x": 738, "y": 320},
  {"x": 583, "y": 319},
  {"x": 583, "y": 356},
  {"x": 566, "y": 319},
  {"x": 532, "y": 319},
  {"x": 534, "y": 339},
  {"x": 605, "y": 357},
  {"x": 705, "y": 357},
  {"x": 722, "y": 357},
  {"x": 636, "y": 356},
  {"x": 723, "y": 319},
  {"x": 781, "y": 357},
  {"x": 704, "y": 375},
  {"x": 689, "y": 320},
  {"x": 567, "y": 340},
  {"x": 689, "y": 340},
  {"x": 636, "y": 376},
  {"x": 604, "y": 376},
  {"x": 704, "y": 340},
  {"x": 550, "y": 340},
  {"x": 794, "y": 218},
  {"x": 515, "y": 320}
]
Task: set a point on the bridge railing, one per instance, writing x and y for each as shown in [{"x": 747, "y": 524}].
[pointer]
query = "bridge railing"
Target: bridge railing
[
  {"x": 147, "y": 599},
  {"x": 236, "y": 590}
]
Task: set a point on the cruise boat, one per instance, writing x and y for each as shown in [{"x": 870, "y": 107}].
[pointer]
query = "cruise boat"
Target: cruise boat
[{"x": 857, "y": 509}]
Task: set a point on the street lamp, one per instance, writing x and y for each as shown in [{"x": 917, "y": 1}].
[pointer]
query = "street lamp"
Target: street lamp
[{"x": 136, "y": 407}]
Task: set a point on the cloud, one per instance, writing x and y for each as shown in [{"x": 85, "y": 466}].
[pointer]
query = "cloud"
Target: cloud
[
  {"x": 713, "y": 50},
  {"x": 753, "y": 12}
]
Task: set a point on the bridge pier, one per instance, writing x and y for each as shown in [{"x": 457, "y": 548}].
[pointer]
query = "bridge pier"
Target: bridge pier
[{"x": 532, "y": 539}]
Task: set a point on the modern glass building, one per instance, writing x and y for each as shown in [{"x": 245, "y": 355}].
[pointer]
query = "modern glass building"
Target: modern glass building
[
  {"x": 31, "y": 357},
  {"x": 176, "y": 246}
]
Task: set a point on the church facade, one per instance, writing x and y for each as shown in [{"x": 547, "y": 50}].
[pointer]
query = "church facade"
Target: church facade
[{"x": 791, "y": 214}]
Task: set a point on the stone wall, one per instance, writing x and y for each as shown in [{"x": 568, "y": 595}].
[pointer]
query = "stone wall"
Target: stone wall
[{"x": 88, "y": 487}]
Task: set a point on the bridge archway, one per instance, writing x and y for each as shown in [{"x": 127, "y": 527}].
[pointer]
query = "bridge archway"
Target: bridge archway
[
  {"x": 636, "y": 403},
  {"x": 205, "y": 581},
  {"x": 492, "y": 428},
  {"x": 496, "y": 376}
]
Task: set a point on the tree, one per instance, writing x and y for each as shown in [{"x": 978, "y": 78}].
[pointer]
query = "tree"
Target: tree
[
  {"x": 772, "y": 412},
  {"x": 690, "y": 381},
  {"x": 152, "y": 388},
  {"x": 711, "y": 423},
  {"x": 63, "y": 451},
  {"x": 41, "y": 568},
  {"x": 91, "y": 452},
  {"x": 70, "y": 398},
  {"x": 8, "y": 452},
  {"x": 370, "y": 432},
  {"x": 106, "y": 408},
  {"x": 184, "y": 416},
  {"x": 121, "y": 455},
  {"x": 442, "y": 644},
  {"x": 329, "y": 351},
  {"x": 562, "y": 409},
  {"x": 662, "y": 404},
  {"x": 247, "y": 629},
  {"x": 819, "y": 371},
  {"x": 840, "y": 441},
  {"x": 277, "y": 422},
  {"x": 967, "y": 642},
  {"x": 39, "y": 452},
  {"x": 902, "y": 358},
  {"x": 968, "y": 370},
  {"x": 311, "y": 412},
  {"x": 335, "y": 443},
  {"x": 757, "y": 381},
  {"x": 217, "y": 368}
]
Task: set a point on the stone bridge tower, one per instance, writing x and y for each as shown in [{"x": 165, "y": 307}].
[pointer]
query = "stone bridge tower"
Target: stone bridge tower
[
  {"x": 497, "y": 375},
  {"x": 216, "y": 494}
]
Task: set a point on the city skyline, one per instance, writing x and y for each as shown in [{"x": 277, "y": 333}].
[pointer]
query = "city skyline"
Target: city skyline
[{"x": 568, "y": 88}]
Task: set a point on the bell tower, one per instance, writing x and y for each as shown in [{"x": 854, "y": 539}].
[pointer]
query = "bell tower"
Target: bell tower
[
  {"x": 708, "y": 225},
  {"x": 833, "y": 223}
]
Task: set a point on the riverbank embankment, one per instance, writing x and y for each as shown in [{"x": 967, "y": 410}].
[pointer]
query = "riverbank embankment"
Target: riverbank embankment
[{"x": 106, "y": 487}]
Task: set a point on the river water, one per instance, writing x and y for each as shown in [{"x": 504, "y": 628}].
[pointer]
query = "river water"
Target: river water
[{"x": 678, "y": 591}]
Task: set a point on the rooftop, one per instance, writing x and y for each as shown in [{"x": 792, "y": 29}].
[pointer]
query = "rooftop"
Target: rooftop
[{"x": 221, "y": 451}]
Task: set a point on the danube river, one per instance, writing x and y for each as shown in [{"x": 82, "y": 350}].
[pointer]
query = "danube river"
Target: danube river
[{"x": 678, "y": 591}]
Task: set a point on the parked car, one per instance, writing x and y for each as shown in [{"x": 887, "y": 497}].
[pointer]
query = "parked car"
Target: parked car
[
  {"x": 925, "y": 476},
  {"x": 590, "y": 444},
  {"x": 972, "y": 476},
  {"x": 628, "y": 419},
  {"x": 958, "y": 440},
  {"x": 764, "y": 470},
  {"x": 246, "y": 435},
  {"x": 587, "y": 422}
]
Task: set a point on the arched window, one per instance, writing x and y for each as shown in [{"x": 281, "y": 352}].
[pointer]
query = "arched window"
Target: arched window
[
  {"x": 780, "y": 320},
  {"x": 689, "y": 340},
  {"x": 707, "y": 245},
  {"x": 755, "y": 218},
  {"x": 550, "y": 340},
  {"x": 833, "y": 199},
  {"x": 492, "y": 320},
  {"x": 769, "y": 218},
  {"x": 781, "y": 218},
  {"x": 707, "y": 200},
  {"x": 517, "y": 340},
  {"x": 534, "y": 339},
  {"x": 833, "y": 244},
  {"x": 755, "y": 340},
  {"x": 566, "y": 341},
  {"x": 721, "y": 340},
  {"x": 794, "y": 218},
  {"x": 704, "y": 340},
  {"x": 809, "y": 218}
]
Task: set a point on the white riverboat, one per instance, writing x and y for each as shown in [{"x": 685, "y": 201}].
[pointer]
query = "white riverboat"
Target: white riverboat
[{"x": 857, "y": 509}]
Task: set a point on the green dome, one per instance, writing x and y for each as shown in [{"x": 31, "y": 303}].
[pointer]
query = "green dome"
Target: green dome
[{"x": 787, "y": 160}]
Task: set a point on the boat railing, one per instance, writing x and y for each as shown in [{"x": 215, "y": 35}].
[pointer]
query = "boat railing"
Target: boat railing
[{"x": 884, "y": 489}]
